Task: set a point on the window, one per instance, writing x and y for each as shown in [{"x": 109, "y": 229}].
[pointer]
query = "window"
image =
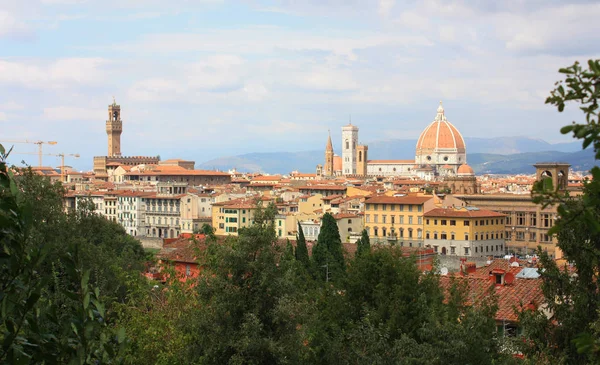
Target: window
[
  {"x": 401, "y": 219},
  {"x": 466, "y": 236},
  {"x": 481, "y": 222},
  {"x": 533, "y": 219},
  {"x": 532, "y": 236},
  {"x": 545, "y": 238},
  {"x": 243, "y": 219},
  {"x": 443, "y": 222},
  {"x": 419, "y": 208},
  {"x": 349, "y": 221},
  {"x": 475, "y": 249},
  {"x": 393, "y": 218},
  {"x": 410, "y": 233},
  {"x": 452, "y": 237},
  {"x": 476, "y": 223},
  {"x": 188, "y": 270},
  {"x": 520, "y": 219},
  {"x": 546, "y": 220},
  {"x": 435, "y": 235},
  {"x": 476, "y": 236},
  {"x": 443, "y": 236},
  {"x": 508, "y": 235},
  {"x": 392, "y": 207},
  {"x": 452, "y": 222},
  {"x": 376, "y": 218},
  {"x": 368, "y": 218},
  {"x": 466, "y": 223},
  {"x": 435, "y": 249},
  {"x": 453, "y": 250},
  {"x": 427, "y": 221},
  {"x": 419, "y": 233},
  {"x": 508, "y": 218},
  {"x": 426, "y": 235},
  {"x": 383, "y": 206},
  {"x": 410, "y": 219},
  {"x": 402, "y": 207},
  {"x": 384, "y": 219},
  {"x": 375, "y": 231},
  {"x": 410, "y": 207},
  {"x": 420, "y": 220},
  {"x": 435, "y": 222},
  {"x": 466, "y": 251},
  {"x": 520, "y": 236},
  {"x": 279, "y": 224}
]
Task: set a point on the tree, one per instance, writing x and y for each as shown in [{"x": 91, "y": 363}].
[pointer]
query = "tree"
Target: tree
[
  {"x": 363, "y": 244},
  {"x": 574, "y": 299},
  {"x": 301, "y": 249},
  {"x": 328, "y": 253}
]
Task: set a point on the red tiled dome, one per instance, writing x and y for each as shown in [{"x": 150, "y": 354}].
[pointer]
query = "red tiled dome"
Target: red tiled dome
[{"x": 440, "y": 134}]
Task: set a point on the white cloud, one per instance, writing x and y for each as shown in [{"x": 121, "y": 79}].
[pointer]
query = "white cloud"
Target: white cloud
[
  {"x": 12, "y": 27},
  {"x": 385, "y": 6},
  {"x": 57, "y": 74},
  {"x": 11, "y": 105},
  {"x": 3, "y": 117},
  {"x": 71, "y": 113}
]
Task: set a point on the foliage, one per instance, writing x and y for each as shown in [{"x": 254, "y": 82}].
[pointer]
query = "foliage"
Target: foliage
[
  {"x": 301, "y": 249},
  {"x": 328, "y": 253},
  {"x": 54, "y": 267},
  {"x": 363, "y": 244},
  {"x": 572, "y": 296}
]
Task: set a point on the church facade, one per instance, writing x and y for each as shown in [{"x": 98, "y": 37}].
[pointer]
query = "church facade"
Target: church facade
[{"x": 440, "y": 151}]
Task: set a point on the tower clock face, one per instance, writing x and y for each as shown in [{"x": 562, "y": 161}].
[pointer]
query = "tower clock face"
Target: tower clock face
[{"x": 116, "y": 115}]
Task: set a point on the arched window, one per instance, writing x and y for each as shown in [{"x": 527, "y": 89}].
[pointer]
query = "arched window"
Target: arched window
[
  {"x": 347, "y": 144},
  {"x": 359, "y": 156}
]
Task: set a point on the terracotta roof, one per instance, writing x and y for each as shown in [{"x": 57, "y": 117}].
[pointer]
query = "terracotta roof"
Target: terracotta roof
[
  {"x": 462, "y": 213},
  {"x": 322, "y": 187},
  {"x": 384, "y": 199},
  {"x": 440, "y": 134},
  {"x": 177, "y": 171}
]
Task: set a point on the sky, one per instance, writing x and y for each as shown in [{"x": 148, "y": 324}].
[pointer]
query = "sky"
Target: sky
[{"x": 201, "y": 79}]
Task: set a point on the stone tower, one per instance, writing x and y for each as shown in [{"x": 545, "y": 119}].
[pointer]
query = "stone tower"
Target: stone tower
[
  {"x": 361, "y": 165},
  {"x": 349, "y": 145},
  {"x": 328, "y": 171},
  {"x": 114, "y": 127},
  {"x": 556, "y": 172}
]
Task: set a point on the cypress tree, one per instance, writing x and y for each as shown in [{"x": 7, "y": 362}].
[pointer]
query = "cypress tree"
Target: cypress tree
[
  {"x": 301, "y": 249},
  {"x": 328, "y": 250}
]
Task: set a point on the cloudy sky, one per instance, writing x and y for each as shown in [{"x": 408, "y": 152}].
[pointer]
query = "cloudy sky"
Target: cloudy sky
[{"x": 208, "y": 78}]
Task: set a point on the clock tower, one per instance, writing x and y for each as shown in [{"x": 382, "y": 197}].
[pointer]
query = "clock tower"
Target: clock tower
[{"x": 114, "y": 127}]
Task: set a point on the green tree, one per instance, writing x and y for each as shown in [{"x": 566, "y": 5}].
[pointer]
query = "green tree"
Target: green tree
[
  {"x": 572, "y": 296},
  {"x": 363, "y": 244},
  {"x": 328, "y": 253},
  {"x": 301, "y": 249}
]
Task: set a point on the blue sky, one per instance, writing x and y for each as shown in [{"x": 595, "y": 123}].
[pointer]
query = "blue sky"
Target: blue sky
[{"x": 202, "y": 79}]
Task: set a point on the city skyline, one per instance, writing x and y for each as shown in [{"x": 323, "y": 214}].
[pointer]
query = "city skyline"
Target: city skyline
[{"x": 219, "y": 78}]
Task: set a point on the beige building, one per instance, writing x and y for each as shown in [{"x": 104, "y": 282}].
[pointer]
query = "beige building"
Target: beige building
[
  {"x": 397, "y": 219},
  {"x": 465, "y": 231},
  {"x": 195, "y": 210},
  {"x": 228, "y": 217},
  {"x": 350, "y": 226}
]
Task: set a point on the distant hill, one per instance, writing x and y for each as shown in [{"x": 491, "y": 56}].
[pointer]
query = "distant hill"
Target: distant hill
[{"x": 501, "y": 155}]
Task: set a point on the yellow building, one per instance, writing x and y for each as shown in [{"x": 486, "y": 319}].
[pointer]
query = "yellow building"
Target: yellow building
[
  {"x": 397, "y": 219},
  {"x": 228, "y": 217},
  {"x": 308, "y": 204},
  {"x": 465, "y": 231}
]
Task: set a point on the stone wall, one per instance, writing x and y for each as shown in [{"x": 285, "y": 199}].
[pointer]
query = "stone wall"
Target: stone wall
[{"x": 150, "y": 242}]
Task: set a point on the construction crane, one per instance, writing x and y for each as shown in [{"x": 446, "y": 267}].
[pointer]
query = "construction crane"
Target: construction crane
[
  {"x": 62, "y": 160},
  {"x": 39, "y": 143}
]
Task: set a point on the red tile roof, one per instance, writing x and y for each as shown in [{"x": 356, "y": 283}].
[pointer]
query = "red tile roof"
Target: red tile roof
[
  {"x": 384, "y": 199},
  {"x": 462, "y": 213}
]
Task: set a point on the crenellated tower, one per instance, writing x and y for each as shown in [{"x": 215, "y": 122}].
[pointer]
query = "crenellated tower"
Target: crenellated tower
[{"x": 114, "y": 127}]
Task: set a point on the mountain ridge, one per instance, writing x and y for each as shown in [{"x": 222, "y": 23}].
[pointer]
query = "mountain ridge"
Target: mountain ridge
[{"x": 501, "y": 155}]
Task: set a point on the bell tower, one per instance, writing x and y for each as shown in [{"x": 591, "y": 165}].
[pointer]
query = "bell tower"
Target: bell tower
[{"x": 114, "y": 127}]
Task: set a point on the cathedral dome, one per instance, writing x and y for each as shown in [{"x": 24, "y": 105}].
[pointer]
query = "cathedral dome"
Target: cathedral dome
[
  {"x": 440, "y": 135},
  {"x": 465, "y": 169}
]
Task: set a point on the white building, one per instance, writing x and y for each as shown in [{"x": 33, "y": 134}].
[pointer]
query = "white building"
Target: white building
[{"x": 349, "y": 144}]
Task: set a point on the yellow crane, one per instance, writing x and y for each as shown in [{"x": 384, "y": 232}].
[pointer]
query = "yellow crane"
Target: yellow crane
[
  {"x": 39, "y": 143},
  {"x": 62, "y": 160}
]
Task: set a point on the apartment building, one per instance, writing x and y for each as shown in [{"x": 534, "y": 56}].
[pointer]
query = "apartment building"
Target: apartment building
[
  {"x": 397, "y": 219},
  {"x": 465, "y": 231}
]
